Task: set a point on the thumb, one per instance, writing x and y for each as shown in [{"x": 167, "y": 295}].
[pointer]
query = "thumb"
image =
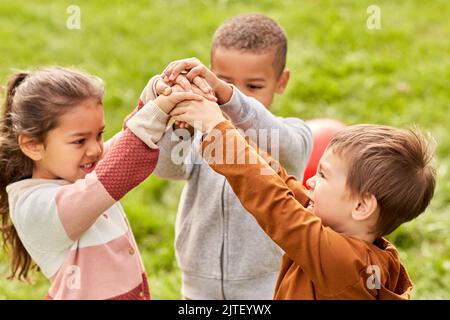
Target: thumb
[
  {"x": 162, "y": 87},
  {"x": 177, "y": 97},
  {"x": 167, "y": 90}
]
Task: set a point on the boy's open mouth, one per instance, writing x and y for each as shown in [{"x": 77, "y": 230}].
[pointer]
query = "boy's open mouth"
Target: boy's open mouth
[{"x": 310, "y": 206}]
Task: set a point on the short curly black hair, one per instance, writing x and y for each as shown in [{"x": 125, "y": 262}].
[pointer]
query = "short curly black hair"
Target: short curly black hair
[{"x": 253, "y": 32}]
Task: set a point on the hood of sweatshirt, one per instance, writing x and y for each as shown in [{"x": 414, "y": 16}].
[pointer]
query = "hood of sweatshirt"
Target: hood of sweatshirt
[{"x": 398, "y": 284}]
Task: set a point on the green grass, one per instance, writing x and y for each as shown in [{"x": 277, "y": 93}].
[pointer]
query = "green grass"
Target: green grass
[{"x": 397, "y": 75}]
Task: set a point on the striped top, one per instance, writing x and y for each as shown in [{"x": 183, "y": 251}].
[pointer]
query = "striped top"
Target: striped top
[{"x": 78, "y": 233}]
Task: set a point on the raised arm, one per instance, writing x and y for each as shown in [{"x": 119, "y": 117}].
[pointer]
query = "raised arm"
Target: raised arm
[
  {"x": 176, "y": 141},
  {"x": 288, "y": 139},
  {"x": 279, "y": 210},
  {"x": 125, "y": 165}
]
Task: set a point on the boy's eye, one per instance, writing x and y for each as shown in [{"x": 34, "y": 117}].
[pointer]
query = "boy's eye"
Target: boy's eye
[
  {"x": 100, "y": 134},
  {"x": 320, "y": 174},
  {"x": 254, "y": 86}
]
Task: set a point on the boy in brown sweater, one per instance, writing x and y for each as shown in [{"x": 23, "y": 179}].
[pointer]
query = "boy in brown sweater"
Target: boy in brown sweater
[{"x": 370, "y": 180}]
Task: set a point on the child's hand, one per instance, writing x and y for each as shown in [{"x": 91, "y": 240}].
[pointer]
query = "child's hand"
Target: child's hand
[
  {"x": 195, "y": 89},
  {"x": 203, "y": 115},
  {"x": 165, "y": 87},
  {"x": 197, "y": 70},
  {"x": 167, "y": 103}
]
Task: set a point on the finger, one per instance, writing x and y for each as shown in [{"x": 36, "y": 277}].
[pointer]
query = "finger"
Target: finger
[
  {"x": 178, "y": 111},
  {"x": 183, "y": 125},
  {"x": 177, "y": 97},
  {"x": 183, "y": 118},
  {"x": 162, "y": 87},
  {"x": 183, "y": 65},
  {"x": 211, "y": 97},
  {"x": 200, "y": 82},
  {"x": 196, "y": 71},
  {"x": 168, "y": 70},
  {"x": 183, "y": 82},
  {"x": 202, "y": 72},
  {"x": 177, "y": 88},
  {"x": 180, "y": 124}
]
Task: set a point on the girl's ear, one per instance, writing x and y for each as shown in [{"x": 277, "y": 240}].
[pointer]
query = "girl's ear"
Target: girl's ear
[
  {"x": 283, "y": 81},
  {"x": 30, "y": 147},
  {"x": 365, "y": 207}
]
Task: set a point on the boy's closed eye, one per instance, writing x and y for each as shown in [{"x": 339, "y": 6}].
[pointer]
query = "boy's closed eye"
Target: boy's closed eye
[
  {"x": 320, "y": 174},
  {"x": 255, "y": 86}
]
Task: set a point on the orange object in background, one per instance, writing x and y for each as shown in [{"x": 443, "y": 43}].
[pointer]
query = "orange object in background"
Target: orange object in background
[{"x": 323, "y": 130}]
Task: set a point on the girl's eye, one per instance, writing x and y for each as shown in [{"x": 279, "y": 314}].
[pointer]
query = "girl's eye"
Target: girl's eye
[
  {"x": 100, "y": 134},
  {"x": 81, "y": 141},
  {"x": 320, "y": 174}
]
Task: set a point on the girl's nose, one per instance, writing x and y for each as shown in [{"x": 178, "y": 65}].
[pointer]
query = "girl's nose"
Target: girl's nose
[{"x": 95, "y": 149}]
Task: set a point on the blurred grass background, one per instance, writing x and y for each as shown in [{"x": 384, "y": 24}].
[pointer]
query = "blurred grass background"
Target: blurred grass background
[{"x": 398, "y": 75}]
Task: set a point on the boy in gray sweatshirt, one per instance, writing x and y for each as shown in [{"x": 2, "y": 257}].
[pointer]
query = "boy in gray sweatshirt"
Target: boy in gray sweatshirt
[{"x": 221, "y": 250}]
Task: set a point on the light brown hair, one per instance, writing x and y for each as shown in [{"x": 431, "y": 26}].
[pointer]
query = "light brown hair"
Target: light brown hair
[
  {"x": 392, "y": 164},
  {"x": 255, "y": 33},
  {"x": 34, "y": 101}
]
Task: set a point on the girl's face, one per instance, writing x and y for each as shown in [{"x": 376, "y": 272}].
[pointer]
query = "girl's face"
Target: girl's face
[{"x": 74, "y": 147}]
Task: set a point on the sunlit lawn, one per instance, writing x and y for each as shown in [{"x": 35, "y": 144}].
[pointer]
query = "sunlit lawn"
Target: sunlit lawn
[{"x": 397, "y": 75}]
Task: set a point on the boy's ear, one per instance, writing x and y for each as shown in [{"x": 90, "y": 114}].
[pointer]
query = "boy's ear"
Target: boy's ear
[
  {"x": 30, "y": 147},
  {"x": 283, "y": 81},
  {"x": 365, "y": 207}
]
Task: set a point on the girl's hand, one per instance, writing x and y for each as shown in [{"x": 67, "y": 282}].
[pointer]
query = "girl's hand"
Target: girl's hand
[
  {"x": 193, "y": 69},
  {"x": 203, "y": 115},
  {"x": 167, "y": 103},
  {"x": 164, "y": 87}
]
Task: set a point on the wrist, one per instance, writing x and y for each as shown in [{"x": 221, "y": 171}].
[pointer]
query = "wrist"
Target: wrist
[
  {"x": 212, "y": 124},
  {"x": 223, "y": 92},
  {"x": 163, "y": 104}
]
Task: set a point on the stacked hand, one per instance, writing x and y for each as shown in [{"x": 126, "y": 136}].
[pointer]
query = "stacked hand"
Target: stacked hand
[{"x": 190, "y": 92}]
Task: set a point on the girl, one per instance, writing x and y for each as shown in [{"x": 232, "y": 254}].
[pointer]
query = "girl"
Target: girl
[{"x": 59, "y": 209}]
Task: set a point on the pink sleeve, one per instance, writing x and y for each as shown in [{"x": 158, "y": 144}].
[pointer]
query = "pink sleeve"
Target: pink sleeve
[
  {"x": 108, "y": 144},
  {"x": 126, "y": 165}
]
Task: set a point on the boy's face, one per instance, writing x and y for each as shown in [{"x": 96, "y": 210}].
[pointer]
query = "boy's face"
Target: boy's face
[
  {"x": 251, "y": 73},
  {"x": 330, "y": 199}
]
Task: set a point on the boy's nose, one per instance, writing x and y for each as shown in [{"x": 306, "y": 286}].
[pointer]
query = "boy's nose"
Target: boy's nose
[{"x": 311, "y": 182}]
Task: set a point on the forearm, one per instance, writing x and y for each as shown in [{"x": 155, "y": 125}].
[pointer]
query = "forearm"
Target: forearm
[
  {"x": 176, "y": 157},
  {"x": 288, "y": 140},
  {"x": 110, "y": 143},
  {"x": 265, "y": 194},
  {"x": 321, "y": 252}
]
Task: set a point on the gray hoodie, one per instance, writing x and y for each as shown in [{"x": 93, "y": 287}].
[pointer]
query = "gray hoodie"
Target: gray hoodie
[{"x": 221, "y": 250}]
